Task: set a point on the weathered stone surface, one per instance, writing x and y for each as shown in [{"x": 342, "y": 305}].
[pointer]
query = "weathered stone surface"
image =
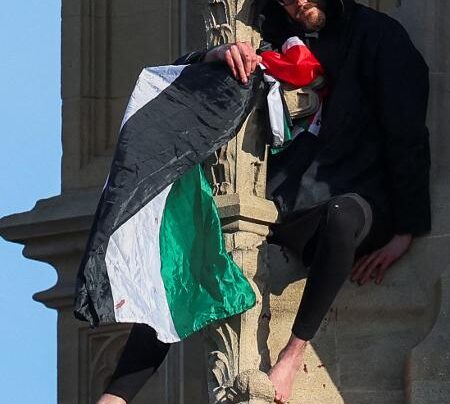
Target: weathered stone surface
[
  {"x": 372, "y": 397},
  {"x": 73, "y": 8},
  {"x": 105, "y": 45},
  {"x": 88, "y": 136},
  {"x": 428, "y": 365},
  {"x": 192, "y": 21},
  {"x": 255, "y": 387},
  {"x": 439, "y": 124},
  {"x": 246, "y": 213},
  {"x": 426, "y": 22},
  {"x": 369, "y": 334}
]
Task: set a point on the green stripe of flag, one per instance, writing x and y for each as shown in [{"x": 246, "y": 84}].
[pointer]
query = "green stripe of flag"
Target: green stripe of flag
[{"x": 202, "y": 282}]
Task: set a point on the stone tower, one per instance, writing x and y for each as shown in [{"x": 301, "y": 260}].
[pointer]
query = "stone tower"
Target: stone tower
[{"x": 388, "y": 344}]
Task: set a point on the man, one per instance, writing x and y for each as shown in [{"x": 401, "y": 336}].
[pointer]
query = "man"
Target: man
[{"x": 360, "y": 188}]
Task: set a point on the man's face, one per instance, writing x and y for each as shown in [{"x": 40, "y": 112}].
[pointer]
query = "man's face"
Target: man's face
[{"x": 309, "y": 14}]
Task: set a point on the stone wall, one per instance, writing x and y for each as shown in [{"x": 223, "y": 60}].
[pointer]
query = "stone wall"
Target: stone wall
[
  {"x": 105, "y": 44},
  {"x": 377, "y": 344}
]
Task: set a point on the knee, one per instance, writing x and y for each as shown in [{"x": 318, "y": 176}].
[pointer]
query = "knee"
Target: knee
[{"x": 345, "y": 218}]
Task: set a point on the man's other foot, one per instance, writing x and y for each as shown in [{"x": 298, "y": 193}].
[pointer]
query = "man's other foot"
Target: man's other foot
[{"x": 282, "y": 375}]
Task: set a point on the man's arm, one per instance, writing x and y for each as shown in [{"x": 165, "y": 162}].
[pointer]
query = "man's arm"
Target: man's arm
[
  {"x": 191, "y": 57},
  {"x": 401, "y": 96},
  {"x": 240, "y": 57}
]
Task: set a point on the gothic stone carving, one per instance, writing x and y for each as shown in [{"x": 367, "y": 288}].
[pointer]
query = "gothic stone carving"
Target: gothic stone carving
[
  {"x": 97, "y": 137},
  {"x": 223, "y": 361},
  {"x": 99, "y": 353},
  {"x": 219, "y": 21},
  {"x": 238, "y": 168},
  {"x": 228, "y": 21}
]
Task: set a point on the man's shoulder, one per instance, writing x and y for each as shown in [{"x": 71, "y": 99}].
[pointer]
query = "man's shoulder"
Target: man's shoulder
[{"x": 372, "y": 20}]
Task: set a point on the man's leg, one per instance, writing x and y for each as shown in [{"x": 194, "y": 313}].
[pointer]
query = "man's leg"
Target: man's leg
[
  {"x": 340, "y": 225},
  {"x": 141, "y": 357}
]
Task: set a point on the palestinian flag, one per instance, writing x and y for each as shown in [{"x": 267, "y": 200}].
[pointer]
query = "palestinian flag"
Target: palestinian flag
[
  {"x": 156, "y": 254},
  {"x": 295, "y": 65}
]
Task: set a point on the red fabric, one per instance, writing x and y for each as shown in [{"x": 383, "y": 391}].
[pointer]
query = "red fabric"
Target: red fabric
[{"x": 298, "y": 66}]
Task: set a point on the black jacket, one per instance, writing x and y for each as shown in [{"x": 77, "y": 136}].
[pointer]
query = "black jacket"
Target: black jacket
[{"x": 373, "y": 141}]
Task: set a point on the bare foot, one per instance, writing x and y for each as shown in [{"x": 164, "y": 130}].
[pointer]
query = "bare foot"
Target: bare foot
[
  {"x": 282, "y": 374},
  {"x": 110, "y": 399}
]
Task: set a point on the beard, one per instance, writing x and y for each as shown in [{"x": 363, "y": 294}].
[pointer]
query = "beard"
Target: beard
[{"x": 311, "y": 16}]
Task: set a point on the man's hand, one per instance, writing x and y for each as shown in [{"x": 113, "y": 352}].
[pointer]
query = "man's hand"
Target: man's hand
[
  {"x": 375, "y": 265},
  {"x": 240, "y": 57}
]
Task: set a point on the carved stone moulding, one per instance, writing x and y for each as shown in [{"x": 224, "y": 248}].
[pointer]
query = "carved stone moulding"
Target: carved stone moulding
[
  {"x": 231, "y": 20},
  {"x": 105, "y": 45},
  {"x": 220, "y": 22},
  {"x": 97, "y": 138},
  {"x": 222, "y": 347},
  {"x": 227, "y": 382},
  {"x": 99, "y": 354}
]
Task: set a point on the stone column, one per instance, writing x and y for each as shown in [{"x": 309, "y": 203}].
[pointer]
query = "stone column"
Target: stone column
[{"x": 237, "y": 349}]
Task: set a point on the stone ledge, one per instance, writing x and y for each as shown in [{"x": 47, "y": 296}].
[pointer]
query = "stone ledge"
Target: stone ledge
[
  {"x": 246, "y": 213},
  {"x": 62, "y": 214},
  {"x": 55, "y": 232},
  {"x": 427, "y": 375},
  {"x": 73, "y": 212}
]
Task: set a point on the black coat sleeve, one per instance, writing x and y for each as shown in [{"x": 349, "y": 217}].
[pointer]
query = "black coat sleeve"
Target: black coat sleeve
[
  {"x": 191, "y": 57},
  {"x": 401, "y": 88}
]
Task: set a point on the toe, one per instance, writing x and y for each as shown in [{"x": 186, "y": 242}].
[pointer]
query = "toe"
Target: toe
[{"x": 278, "y": 398}]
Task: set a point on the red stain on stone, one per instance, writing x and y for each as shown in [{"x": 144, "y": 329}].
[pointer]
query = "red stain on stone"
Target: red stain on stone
[{"x": 120, "y": 304}]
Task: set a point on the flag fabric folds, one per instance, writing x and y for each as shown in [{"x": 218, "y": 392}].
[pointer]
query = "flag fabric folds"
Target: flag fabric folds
[
  {"x": 295, "y": 65},
  {"x": 155, "y": 254}
]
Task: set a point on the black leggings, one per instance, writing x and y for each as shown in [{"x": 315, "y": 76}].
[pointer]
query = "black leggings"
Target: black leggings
[
  {"x": 141, "y": 357},
  {"x": 325, "y": 236}
]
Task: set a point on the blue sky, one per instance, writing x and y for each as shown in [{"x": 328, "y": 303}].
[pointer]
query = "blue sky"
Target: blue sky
[{"x": 30, "y": 135}]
